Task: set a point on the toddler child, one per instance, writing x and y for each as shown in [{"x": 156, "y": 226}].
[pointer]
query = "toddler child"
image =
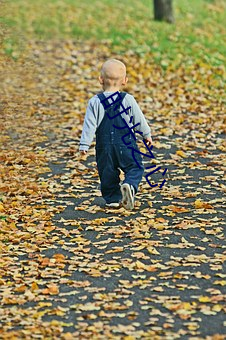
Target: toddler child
[{"x": 115, "y": 118}]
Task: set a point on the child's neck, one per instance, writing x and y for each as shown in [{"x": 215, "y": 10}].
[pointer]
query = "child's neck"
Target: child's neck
[{"x": 111, "y": 89}]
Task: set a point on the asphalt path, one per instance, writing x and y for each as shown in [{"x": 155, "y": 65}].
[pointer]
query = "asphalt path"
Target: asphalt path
[{"x": 181, "y": 294}]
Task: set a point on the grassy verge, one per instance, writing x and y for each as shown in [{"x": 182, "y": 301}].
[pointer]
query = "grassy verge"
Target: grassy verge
[{"x": 197, "y": 33}]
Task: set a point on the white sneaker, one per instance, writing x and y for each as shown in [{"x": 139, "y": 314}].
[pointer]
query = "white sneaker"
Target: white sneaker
[
  {"x": 128, "y": 194},
  {"x": 113, "y": 205}
]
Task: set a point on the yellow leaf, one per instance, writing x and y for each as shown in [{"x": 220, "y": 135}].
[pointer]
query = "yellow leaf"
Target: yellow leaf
[
  {"x": 140, "y": 265},
  {"x": 192, "y": 326},
  {"x": 204, "y": 299},
  {"x": 100, "y": 221},
  {"x": 34, "y": 286},
  {"x": 222, "y": 282},
  {"x": 67, "y": 336},
  {"x": 160, "y": 226},
  {"x": 181, "y": 153},
  {"x": 1, "y": 208},
  {"x": 187, "y": 305},
  {"x": 115, "y": 250},
  {"x": 153, "y": 251},
  {"x": 202, "y": 205},
  {"x": 158, "y": 289},
  {"x": 78, "y": 239},
  {"x": 217, "y": 308},
  {"x": 143, "y": 150},
  {"x": 44, "y": 304},
  {"x": 38, "y": 315}
]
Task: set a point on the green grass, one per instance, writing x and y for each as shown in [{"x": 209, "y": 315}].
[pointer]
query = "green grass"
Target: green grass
[{"x": 198, "y": 31}]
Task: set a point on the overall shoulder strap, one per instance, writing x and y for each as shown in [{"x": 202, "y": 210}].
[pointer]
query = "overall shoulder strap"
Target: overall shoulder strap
[
  {"x": 123, "y": 94},
  {"x": 102, "y": 97}
]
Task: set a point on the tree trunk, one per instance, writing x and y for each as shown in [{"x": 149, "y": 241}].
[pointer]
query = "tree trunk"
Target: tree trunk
[{"x": 163, "y": 10}]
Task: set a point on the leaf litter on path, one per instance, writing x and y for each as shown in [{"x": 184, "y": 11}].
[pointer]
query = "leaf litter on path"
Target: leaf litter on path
[{"x": 70, "y": 268}]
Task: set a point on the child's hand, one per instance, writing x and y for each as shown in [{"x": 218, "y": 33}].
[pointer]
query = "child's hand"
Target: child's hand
[
  {"x": 83, "y": 152},
  {"x": 148, "y": 141}
]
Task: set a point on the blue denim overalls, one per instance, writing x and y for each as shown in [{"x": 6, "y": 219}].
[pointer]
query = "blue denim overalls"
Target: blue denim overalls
[{"x": 112, "y": 154}]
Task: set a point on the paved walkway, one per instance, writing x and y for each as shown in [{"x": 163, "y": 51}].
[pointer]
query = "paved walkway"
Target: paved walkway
[{"x": 79, "y": 271}]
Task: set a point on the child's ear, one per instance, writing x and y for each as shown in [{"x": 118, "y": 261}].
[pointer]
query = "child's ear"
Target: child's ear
[
  {"x": 101, "y": 80},
  {"x": 125, "y": 81}
]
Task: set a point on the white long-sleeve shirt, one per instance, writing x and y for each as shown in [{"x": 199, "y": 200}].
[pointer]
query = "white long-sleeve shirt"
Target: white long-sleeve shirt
[{"x": 95, "y": 113}]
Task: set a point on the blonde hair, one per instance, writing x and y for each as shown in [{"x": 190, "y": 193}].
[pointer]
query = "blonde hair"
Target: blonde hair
[{"x": 112, "y": 71}]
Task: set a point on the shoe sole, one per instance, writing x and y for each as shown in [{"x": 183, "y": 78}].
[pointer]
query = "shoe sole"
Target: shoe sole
[
  {"x": 112, "y": 205},
  {"x": 127, "y": 196}
]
